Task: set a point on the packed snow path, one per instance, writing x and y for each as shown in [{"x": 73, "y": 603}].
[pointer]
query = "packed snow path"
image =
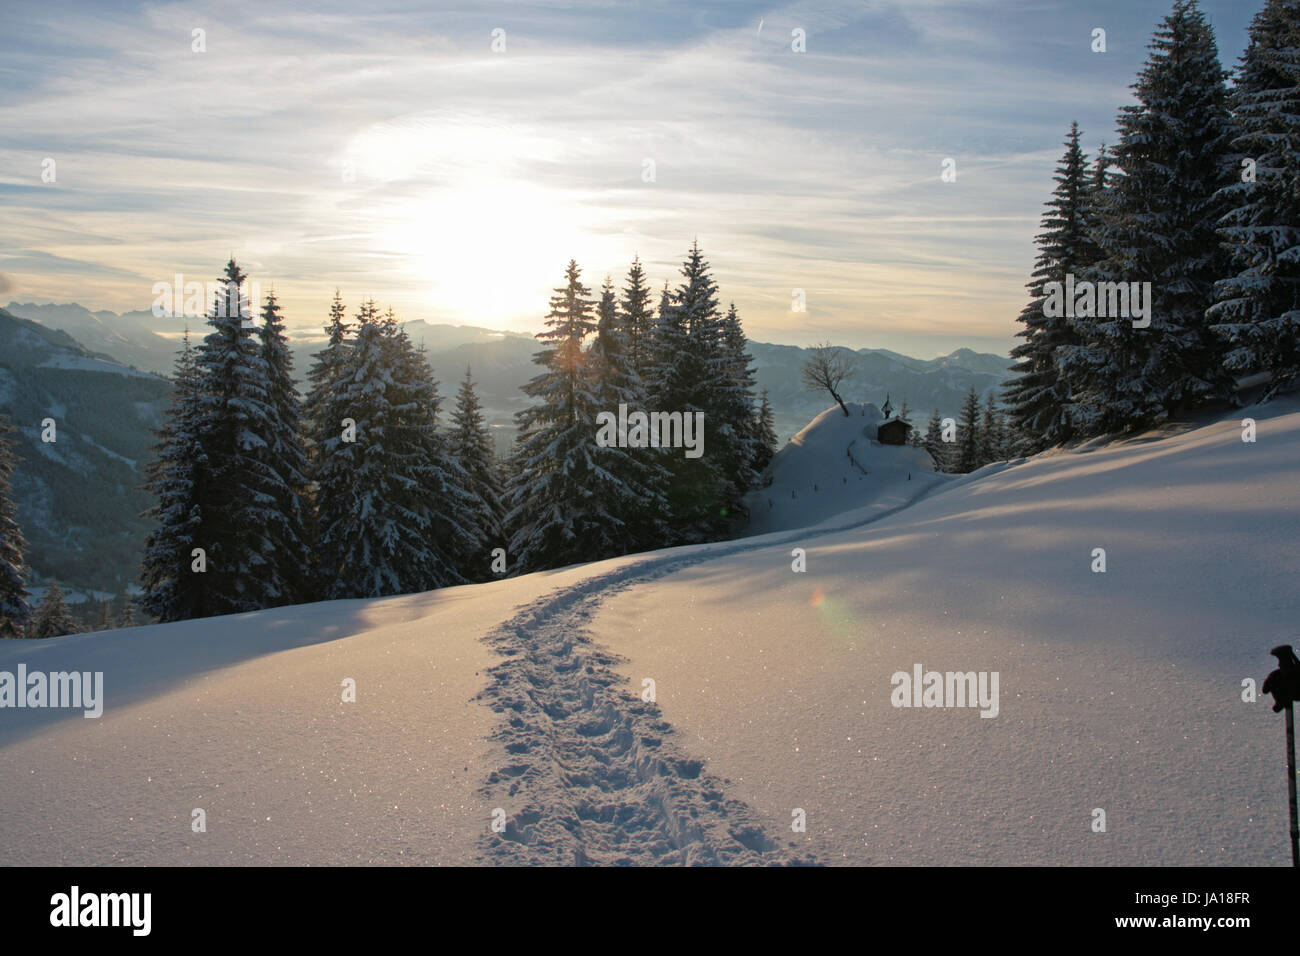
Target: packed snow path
[{"x": 595, "y": 775}]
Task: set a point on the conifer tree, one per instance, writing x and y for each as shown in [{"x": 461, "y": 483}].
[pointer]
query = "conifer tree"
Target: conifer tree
[
  {"x": 1039, "y": 395},
  {"x": 992, "y": 441},
  {"x": 935, "y": 444},
  {"x": 641, "y": 473},
  {"x": 324, "y": 379},
  {"x": 391, "y": 516},
  {"x": 171, "y": 591},
  {"x": 127, "y": 616},
  {"x": 470, "y": 447},
  {"x": 1157, "y": 224},
  {"x": 637, "y": 317},
  {"x": 968, "y": 435},
  {"x": 281, "y": 479},
  {"x": 734, "y": 404},
  {"x": 765, "y": 429},
  {"x": 15, "y": 612},
  {"x": 563, "y": 506},
  {"x": 445, "y": 492},
  {"x": 1258, "y": 305},
  {"x": 326, "y": 420},
  {"x": 237, "y": 491},
  {"x": 52, "y": 617},
  {"x": 665, "y": 335},
  {"x": 690, "y": 364}
]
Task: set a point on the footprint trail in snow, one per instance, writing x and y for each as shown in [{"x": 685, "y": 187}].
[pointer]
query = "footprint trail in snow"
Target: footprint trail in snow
[{"x": 593, "y": 774}]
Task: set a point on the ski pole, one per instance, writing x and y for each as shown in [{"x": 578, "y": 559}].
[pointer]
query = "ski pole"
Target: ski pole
[
  {"x": 1284, "y": 685},
  {"x": 1290, "y": 783}
]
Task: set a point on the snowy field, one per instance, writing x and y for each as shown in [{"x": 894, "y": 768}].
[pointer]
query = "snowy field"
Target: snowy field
[{"x": 1118, "y": 690}]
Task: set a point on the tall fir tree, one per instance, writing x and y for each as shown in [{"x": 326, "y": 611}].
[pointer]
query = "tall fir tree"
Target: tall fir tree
[
  {"x": 765, "y": 430},
  {"x": 391, "y": 516},
  {"x": 324, "y": 415},
  {"x": 283, "y": 478},
  {"x": 167, "y": 570},
  {"x": 734, "y": 406},
  {"x": 444, "y": 486},
  {"x": 562, "y": 506},
  {"x": 665, "y": 336},
  {"x": 237, "y": 491},
  {"x": 690, "y": 364},
  {"x": 1039, "y": 395},
  {"x": 469, "y": 445},
  {"x": 968, "y": 435},
  {"x": 641, "y": 474},
  {"x": 637, "y": 319},
  {"x": 1156, "y": 224},
  {"x": 1258, "y": 305},
  {"x": 992, "y": 441},
  {"x": 940, "y": 451},
  {"x": 15, "y": 613}
]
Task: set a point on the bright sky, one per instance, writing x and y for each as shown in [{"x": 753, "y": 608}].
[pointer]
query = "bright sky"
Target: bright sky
[{"x": 385, "y": 148}]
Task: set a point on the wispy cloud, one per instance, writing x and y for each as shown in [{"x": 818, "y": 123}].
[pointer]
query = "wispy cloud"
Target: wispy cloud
[{"x": 393, "y": 153}]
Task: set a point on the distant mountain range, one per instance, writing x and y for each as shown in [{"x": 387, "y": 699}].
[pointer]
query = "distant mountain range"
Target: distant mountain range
[
  {"x": 78, "y": 497},
  {"x": 503, "y": 361},
  {"x": 101, "y": 377}
]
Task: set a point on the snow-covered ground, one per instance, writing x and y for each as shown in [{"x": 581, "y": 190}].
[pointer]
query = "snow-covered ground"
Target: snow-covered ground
[{"x": 1118, "y": 690}]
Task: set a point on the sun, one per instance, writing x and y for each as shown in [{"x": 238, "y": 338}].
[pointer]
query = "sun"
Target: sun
[{"x": 490, "y": 250}]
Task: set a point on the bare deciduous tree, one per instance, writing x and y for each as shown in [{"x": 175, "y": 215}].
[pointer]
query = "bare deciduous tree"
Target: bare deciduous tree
[{"x": 827, "y": 368}]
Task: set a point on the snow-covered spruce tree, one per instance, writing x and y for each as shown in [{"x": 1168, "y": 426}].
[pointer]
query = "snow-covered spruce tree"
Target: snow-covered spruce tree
[
  {"x": 237, "y": 491},
  {"x": 1039, "y": 394},
  {"x": 447, "y": 498},
  {"x": 613, "y": 380},
  {"x": 52, "y": 617},
  {"x": 765, "y": 430},
  {"x": 968, "y": 435},
  {"x": 563, "y": 506},
  {"x": 391, "y": 518},
  {"x": 735, "y": 411},
  {"x": 992, "y": 440},
  {"x": 637, "y": 319},
  {"x": 688, "y": 363},
  {"x": 324, "y": 380},
  {"x": 14, "y": 610},
  {"x": 323, "y": 414},
  {"x": 935, "y": 444},
  {"x": 665, "y": 334},
  {"x": 469, "y": 445},
  {"x": 282, "y": 484},
  {"x": 172, "y": 590},
  {"x": 1258, "y": 305},
  {"x": 1156, "y": 224}
]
